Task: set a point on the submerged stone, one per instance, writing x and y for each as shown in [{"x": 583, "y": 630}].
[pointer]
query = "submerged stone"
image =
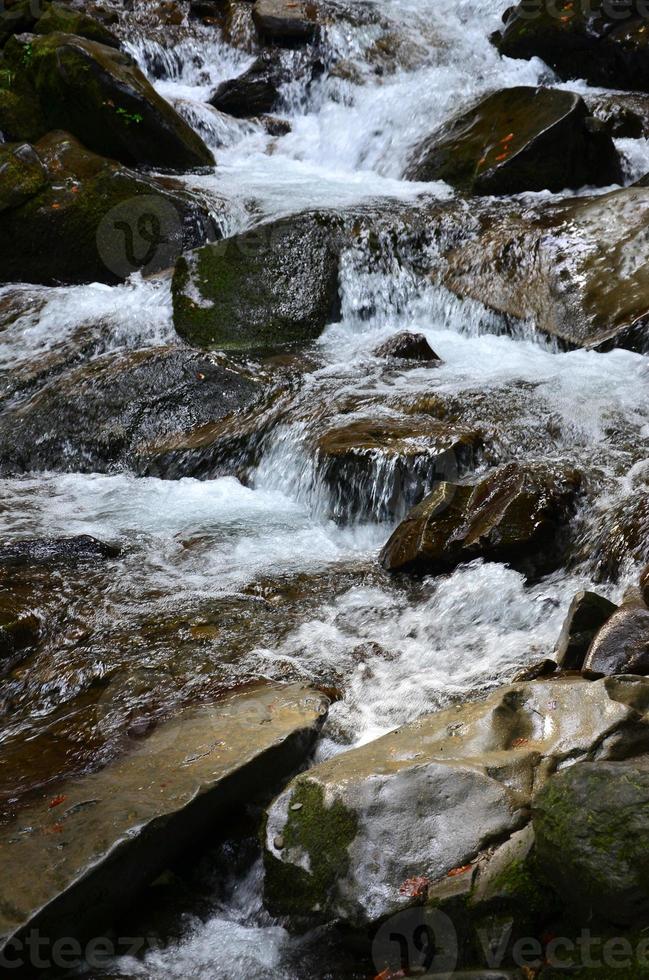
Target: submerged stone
[
  {"x": 74, "y": 863},
  {"x": 520, "y": 139},
  {"x": 516, "y": 515}
]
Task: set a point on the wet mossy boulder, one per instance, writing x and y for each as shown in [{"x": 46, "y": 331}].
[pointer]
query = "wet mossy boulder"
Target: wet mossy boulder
[
  {"x": 57, "y": 17},
  {"x": 254, "y": 93},
  {"x": 587, "y": 614},
  {"x": 592, "y": 826},
  {"x": 70, "y": 216},
  {"x": 347, "y": 837},
  {"x": 520, "y": 139},
  {"x": 517, "y": 514},
  {"x": 286, "y": 22},
  {"x": 621, "y": 646},
  {"x": 604, "y": 43},
  {"x": 100, "y": 96},
  {"x": 276, "y": 284},
  {"x": 99, "y": 414}
]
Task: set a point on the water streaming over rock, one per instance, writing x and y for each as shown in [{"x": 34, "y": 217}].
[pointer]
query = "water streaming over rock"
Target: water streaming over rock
[{"x": 271, "y": 570}]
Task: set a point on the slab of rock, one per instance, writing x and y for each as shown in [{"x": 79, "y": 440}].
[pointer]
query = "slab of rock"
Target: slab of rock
[
  {"x": 591, "y": 824},
  {"x": 600, "y": 42},
  {"x": 520, "y": 139},
  {"x": 408, "y": 347},
  {"x": 99, "y": 414},
  {"x": 587, "y": 614},
  {"x": 577, "y": 269},
  {"x": 273, "y": 285},
  {"x": 624, "y": 115},
  {"x": 621, "y": 646},
  {"x": 100, "y": 96},
  {"x": 430, "y": 797},
  {"x": 254, "y": 93},
  {"x": 286, "y": 22},
  {"x": 74, "y": 862},
  {"x": 70, "y": 216},
  {"x": 517, "y": 514}
]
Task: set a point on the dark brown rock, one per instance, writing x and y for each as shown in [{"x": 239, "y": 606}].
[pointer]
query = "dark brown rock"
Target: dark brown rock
[
  {"x": 409, "y": 347},
  {"x": 517, "y": 515},
  {"x": 520, "y": 139},
  {"x": 587, "y": 614},
  {"x": 285, "y": 22},
  {"x": 43, "y": 551},
  {"x": 254, "y": 93},
  {"x": 621, "y": 646}
]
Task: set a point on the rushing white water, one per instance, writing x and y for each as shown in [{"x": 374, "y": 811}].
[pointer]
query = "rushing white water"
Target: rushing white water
[{"x": 394, "y": 651}]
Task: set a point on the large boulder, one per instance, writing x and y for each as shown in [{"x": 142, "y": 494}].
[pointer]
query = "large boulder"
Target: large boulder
[
  {"x": 286, "y": 22},
  {"x": 602, "y": 42},
  {"x": 592, "y": 824},
  {"x": 273, "y": 285},
  {"x": 517, "y": 514},
  {"x": 587, "y": 614},
  {"x": 347, "y": 836},
  {"x": 100, "y": 96},
  {"x": 520, "y": 139},
  {"x": 254, "y": 93},
  {"x": 621, "y": 646},
  {"x": 70, "y": 216},
  {"x": 36, "y": 16},
  {"x": 74, "y": 861},
  {"x": 578, "y": 269},
  {"x": 98, "y": 414}
]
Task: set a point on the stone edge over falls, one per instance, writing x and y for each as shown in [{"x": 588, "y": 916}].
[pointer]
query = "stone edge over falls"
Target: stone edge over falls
[{"x": 69, "y": 864}]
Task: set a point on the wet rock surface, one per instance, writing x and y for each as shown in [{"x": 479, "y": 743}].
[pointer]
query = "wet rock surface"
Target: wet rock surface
[
  {"x": 521, "y": 139},
  {"x": 101, "y": 97},
  {"x": 99, "y": 414},
  {"x": 72, "y": 216},
  {"x": 284, "y": 22},
  {"x": 516, "y": 515},
  {"x": 588, "y": 612},
  {"x": 621, "y": 646},
  {"x": 255, "y": 92},
  {"x": 80, "y": 857},
  {"x": 429, "y": 797},
  {"x": 408, "y": 347}
]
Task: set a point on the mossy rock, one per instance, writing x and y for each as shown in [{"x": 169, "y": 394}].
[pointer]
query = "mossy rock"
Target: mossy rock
[
  {"x": 67, "y": 20},
  {"x": 591, "y": 823},
  {"x": 601, "y": 42},
  {"x": 22, "y": 174},
  {"x": 17, "y": 18},
  {"x": 100, "y": 96},
  {"x": 276, "y": 284},
  {"x": 520, "y": 139},
  {"x": 90, "y": 219},
  {"x": 517, "y": 514}
]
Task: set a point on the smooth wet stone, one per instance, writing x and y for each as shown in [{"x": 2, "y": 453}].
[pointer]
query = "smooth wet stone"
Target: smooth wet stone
[
  {"x": 624, "y": 115},
  {"x": 43, "y": 551},
  {"x": 409, "y": 347},
  {"x": 517, "y": 514},
  {"x": 66, "y": 20},
  {"x": 592, "y": 824},
  {"x": 578, "y": 269},
  {"x": 74, "y": 861},
  {"x": 621, "y": 646},
  {"x": 286, "y": 22},
  {"x": 72, "y": 216},
  {"x": 601, "y": 42},
  {"x": 100, "y": 96},
  {"x": 587, "y": 614},
  {"x": 276, "y": 284},
  {"x": 254, "y": 93},
  {"x": 519, "y": 139},
  {"x": 428, "y": 798},
  {"x": 108, "y": 410}
]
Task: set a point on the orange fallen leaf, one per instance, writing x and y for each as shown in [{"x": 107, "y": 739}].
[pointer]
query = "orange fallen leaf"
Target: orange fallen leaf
[
  {"x": 508, "y": 138},
  {"x": 56, "y": 801},
  {"x": 520, "y": 741},
  {"x": 414, "y": 887},
  {"x": 502, "y": 156},
  {"x": 459, "y": 871},
  {"x": 389, "y": 974}
]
